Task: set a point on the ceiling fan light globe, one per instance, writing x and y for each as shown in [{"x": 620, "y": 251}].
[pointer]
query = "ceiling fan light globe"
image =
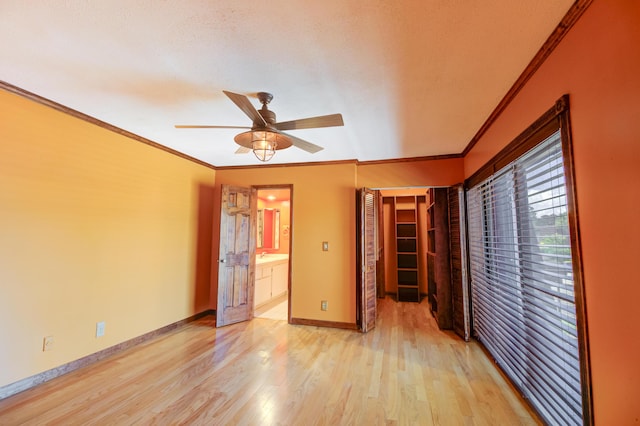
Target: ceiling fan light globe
[
  {"x": 264, "y": 145},
  {"x": 264, "y": 155}
]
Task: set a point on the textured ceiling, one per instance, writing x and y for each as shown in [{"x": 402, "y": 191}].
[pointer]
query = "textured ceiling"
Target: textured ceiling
[{"x": 411, "y": 78}]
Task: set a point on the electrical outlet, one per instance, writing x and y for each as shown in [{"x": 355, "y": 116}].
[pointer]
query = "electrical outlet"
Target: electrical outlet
[
  {"x": 325, "y": 246},
  {"x": 323, "y": 305},
  {"x": 47, "y": 343},
  {"x": 100, "y": 329}
]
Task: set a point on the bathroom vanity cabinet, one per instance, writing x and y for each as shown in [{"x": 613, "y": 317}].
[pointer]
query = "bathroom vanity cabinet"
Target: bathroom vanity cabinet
[{"x": 272, "y": 278}]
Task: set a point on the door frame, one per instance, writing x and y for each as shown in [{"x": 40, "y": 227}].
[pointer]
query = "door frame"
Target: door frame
[{"x": 290, "y": 188}]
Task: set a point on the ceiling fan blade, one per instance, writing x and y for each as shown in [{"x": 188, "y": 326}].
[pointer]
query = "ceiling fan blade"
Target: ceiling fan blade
[
  {"x": 302, "y": 144},
  {"x": 246, "y": 106},
  {"x": 330, "y": 120},
  {"x": 196, "y": 126},
  {"x": 243, "y": 150}
]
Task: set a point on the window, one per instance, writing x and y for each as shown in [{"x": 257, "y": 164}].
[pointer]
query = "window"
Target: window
[{"x": 525, "y": 272}]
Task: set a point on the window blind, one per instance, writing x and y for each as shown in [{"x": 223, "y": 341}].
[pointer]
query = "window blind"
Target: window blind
[{"x": 522, "y": 286}]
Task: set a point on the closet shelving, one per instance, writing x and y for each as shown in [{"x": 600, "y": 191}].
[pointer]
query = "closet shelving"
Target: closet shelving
[{"x": 406, "y": 221}]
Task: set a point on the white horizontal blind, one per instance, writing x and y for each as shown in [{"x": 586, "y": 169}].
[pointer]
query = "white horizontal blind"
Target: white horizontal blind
[{"x": 522, "y": 279}]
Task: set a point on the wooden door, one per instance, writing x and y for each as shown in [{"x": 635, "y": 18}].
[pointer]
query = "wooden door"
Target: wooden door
[
  {"x": 459, "y": 287},
  {"x": 366, "y": 204},
  {"x": 380, "y": 267},
  {"x": 236, "y": 264}
]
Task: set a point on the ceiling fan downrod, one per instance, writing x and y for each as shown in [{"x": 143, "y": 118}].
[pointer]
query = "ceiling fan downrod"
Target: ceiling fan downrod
[{"x": 268, "y": 115}]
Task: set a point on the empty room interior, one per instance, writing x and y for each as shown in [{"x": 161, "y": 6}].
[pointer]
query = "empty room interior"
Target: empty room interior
[{"x": 438, "y": 227}]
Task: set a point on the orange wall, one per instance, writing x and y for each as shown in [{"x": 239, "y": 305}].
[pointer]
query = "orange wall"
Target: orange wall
[
  {"x": 326, "y": 212},
  {"x": 598, "y": 65},
  {"x": 445, "y": 172},
  {"x": 93, "y": 227},
  {"x": 321, "y": 212}
]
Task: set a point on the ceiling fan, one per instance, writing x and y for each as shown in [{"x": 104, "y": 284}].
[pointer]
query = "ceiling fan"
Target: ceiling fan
[{"x": 266, "y": 136}]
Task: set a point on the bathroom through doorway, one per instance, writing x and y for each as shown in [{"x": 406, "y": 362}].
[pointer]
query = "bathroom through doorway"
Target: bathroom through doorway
[{"x": 273, "y": 238}]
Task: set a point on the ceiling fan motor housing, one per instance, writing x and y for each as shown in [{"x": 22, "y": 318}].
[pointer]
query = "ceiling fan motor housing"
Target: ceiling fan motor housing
[
  {"x": 268, "y": 115},
  {"x": 278, "y": 142}
]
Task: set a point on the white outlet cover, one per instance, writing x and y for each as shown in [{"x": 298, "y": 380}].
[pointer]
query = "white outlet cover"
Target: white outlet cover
[{"x": 100, "y": 329}]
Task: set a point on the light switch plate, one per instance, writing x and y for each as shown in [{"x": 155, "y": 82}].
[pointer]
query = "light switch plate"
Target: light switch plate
[
  {"x": 47, "y": 343},
  {"x": 325, "y": 246}
]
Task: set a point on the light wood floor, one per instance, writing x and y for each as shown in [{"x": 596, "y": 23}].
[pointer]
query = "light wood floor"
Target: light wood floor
[
  {"x": 265, "y": 372},
  {"x": 275, "y": 309}
]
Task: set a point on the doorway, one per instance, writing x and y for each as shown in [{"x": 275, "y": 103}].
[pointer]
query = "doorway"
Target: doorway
[
  {"x": 404, "y": 257},
  {"x": 273, "y": 252}
]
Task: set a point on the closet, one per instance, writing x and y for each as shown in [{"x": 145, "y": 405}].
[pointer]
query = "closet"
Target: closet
[
  {"x": 404, "y": 238},
  {"x": 406, "y": 220},
  {"x": 423, "y": 243}
]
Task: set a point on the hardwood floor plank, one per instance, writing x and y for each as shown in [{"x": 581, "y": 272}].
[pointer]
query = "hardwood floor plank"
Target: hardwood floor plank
[{"x": 263, "y": 372}]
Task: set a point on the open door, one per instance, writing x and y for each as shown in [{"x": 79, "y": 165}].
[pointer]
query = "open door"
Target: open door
[
  {"x": 366, "y": 291},
  {"x": 458, "y": 253},
  {"x": 379, "y": 231},
  {"x": 237, "y": 255}
]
